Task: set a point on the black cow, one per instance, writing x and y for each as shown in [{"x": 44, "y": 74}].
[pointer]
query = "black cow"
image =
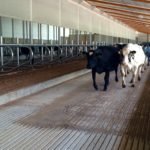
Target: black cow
[
  {"x": 26, "y": 52},
  {"x": 103, "y": 59}
]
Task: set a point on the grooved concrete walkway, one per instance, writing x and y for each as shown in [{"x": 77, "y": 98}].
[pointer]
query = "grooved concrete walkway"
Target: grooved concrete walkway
[{"x": 74, "y": 116}]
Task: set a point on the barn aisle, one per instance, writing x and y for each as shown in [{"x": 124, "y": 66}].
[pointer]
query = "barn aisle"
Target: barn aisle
[{"x": 74, "y": 116}]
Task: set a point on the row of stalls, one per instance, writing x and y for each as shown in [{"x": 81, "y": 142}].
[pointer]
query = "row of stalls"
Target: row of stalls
[{"x": 20, "y": 56}]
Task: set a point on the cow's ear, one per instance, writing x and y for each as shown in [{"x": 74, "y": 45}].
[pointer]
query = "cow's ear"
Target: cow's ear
[
  {"x": 91, "y": 53},
  {"x": 133, "y": 52}
]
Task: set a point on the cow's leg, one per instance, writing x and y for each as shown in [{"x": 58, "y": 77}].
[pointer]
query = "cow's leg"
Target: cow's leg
[
  {"x": 148, "y": 61},
  {"x": 142, "y": 68},
  {"x": 134, "y": 76},
  {"x": 106, "y": 78},
  {"x": 145, "y": 63},
  {"x": 116, "y": 76},
  {"x": 139, "y": 73},
  {"x": 123, "y": 76},
  {"x": 132, "y": 70},
  {"x": 94, "y": 79},
  {"x": 135, "y": 70},
  {"x": 125, "y": 70}
]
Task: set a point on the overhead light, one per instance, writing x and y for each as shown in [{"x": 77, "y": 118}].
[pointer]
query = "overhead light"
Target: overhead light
[
  {"x": 80, "y": 1},
  {"x": 93, "y": 7},
  {"x": 136, "y": 32},
  {"x": 141, "y": 16}
]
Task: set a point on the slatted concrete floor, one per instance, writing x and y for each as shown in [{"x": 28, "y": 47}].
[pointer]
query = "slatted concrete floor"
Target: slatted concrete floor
[{"x": 74, "y": 116}]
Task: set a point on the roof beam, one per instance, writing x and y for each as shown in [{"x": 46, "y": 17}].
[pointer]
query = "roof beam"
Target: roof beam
[
  {"x": 130, "y": 18},
  {"x": 143, "y": 1},
  {"x": 120, "y": 4},
  {"x": 139, "y": 28},
  {"x": 128, "y": 15},
  {"x": 125, "y": 11},
  {"x": 134, "y": 21}
]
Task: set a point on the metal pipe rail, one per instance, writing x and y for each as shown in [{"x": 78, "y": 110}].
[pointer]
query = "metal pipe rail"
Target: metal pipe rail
[
  {"x": 15, "y": 63},
  {"x": 39, "y": 54},
  {"x": 8, "y": 61},
  {"x": 12, "y": 54}
]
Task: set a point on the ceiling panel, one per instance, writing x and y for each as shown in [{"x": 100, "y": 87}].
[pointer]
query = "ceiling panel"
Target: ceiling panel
[{"x": 134, "y": 13}]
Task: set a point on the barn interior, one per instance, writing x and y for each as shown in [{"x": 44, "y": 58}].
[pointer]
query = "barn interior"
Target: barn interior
[{"x": 47, "y": 100}]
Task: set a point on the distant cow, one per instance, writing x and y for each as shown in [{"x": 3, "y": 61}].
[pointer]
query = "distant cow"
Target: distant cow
[
  {"x": 133, "y": 58},
  {"x": 103, "y": 59},
  {"x": 146, "y": 49},
  {"x": 27, "y": 52}
]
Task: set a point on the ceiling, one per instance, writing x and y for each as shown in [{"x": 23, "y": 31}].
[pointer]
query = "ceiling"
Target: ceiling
[{"x": 134, "y": 13}]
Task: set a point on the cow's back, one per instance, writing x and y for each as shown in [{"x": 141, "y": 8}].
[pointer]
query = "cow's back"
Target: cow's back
[
  {"x": 109, "y": 58},
  {"x": 140, "y": 55}
]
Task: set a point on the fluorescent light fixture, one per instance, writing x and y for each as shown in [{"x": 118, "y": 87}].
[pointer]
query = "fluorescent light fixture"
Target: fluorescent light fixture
[
  {"x": 136, "y": 32},
  {"x": 141, "y": 16}
]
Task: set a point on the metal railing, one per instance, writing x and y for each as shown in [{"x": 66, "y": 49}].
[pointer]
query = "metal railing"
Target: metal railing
[{"x": 20, "y": 56}]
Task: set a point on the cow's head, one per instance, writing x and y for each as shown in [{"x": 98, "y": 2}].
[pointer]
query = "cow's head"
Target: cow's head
[
  {"x": 126, "y": 56},
  {"x": 92, "y": 58},
  {"x": 131, "y": 56}
]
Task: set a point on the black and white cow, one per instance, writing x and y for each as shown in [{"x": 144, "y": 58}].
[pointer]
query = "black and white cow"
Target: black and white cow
[
  {"x": 103, "y": 59},
  {"x": 134, "y": 59}
]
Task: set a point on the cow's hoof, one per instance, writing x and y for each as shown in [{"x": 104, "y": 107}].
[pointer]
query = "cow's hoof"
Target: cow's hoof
[
  {"x": 105, "y": 89},
  {"x": 116, "y": 79},
  {"x": 132, "y": 85},
  {"x": 95, "y": 87},
  {"x": 131, "y": 81},
  {"x": 123, "y": 85}
]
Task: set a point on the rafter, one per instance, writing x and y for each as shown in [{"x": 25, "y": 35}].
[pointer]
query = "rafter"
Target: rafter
[
  {"x": 134, "y": 21},
  {"x": 125, "y": 13},
  {"x": 121, "y": 10},
  {"x": 132, "y": 14},
  {"x": 130, "y": 18},
  {"x": 119, "y": 4},
  {"x": 143, "y": 1},
  {"x": 139, "y": 28},
  {"x": 128, "y": 15}
]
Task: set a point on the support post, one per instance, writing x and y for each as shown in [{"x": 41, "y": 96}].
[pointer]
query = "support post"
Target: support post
[
  {"x": 18, "y": 57},
  {"x": 2, "y": 54},
  {"x": 42, "y": 52}
]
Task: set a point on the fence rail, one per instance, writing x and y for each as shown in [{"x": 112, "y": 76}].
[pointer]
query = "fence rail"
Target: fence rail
[{"x": 19, "y": 56}]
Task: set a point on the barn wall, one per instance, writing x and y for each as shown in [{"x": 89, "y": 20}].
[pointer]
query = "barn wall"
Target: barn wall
[
  {"x": 20, "y": 9},
  {"x": 141, "y": 37},
  {"x": 65, "y": 13}
]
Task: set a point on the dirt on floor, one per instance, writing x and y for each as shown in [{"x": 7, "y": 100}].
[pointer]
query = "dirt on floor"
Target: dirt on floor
[
  {"x": 117, "y": 111},
  {"x": 19, "y": 79}
]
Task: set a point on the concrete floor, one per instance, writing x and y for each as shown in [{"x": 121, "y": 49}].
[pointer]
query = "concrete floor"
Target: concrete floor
[{"x": 74, "y": 116}]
